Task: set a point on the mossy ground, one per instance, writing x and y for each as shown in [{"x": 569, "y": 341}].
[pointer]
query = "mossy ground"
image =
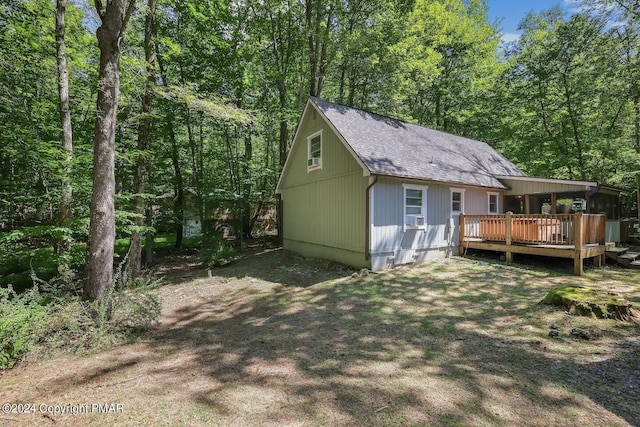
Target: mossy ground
[{"x": 586, "y": 301}]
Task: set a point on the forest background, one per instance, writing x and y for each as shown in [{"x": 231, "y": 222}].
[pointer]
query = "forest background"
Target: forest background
[{"x": 209, "y": 93}]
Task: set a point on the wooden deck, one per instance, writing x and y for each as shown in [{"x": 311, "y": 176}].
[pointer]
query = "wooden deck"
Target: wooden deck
[{"x": 576, "y": 236}]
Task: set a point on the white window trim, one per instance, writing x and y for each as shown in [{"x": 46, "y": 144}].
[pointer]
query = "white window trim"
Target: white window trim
[
  {"x": 424, "y": 189},
  {"x": 309, "y": 138},
  {"x": 489, "y": 194},
  {"x": 456, "y": 190}
]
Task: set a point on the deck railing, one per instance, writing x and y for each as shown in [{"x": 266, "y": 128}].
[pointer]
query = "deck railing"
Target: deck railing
[{"x": 572, "y": 229}]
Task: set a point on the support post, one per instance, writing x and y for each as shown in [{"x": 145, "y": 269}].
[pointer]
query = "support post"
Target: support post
[
  {"x": 554, "y": 202},
  {"x": 597, "y": 260},
  {"x": 508, "y": 223},
  {"x": 577, "y": 238}
]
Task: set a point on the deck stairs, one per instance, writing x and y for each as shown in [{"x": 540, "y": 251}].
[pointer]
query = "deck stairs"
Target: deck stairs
[{"x": 622, "y": 256}]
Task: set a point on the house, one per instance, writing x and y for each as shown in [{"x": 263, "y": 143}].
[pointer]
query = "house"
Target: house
[{"x": 371, "y": 191}]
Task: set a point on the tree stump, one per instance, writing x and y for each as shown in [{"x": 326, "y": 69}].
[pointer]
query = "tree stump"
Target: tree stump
[{"x": 581, "y": 301}]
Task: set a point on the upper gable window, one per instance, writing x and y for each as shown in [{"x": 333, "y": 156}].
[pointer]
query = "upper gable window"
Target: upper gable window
[
  {"x": 457, "y": 201},
  {"x": 314, "y": 151}
]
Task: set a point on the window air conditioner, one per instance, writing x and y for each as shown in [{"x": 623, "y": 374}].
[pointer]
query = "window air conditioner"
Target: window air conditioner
[
  {"x": 418, "y": 221},
  {"x": 314, "y": 161}
]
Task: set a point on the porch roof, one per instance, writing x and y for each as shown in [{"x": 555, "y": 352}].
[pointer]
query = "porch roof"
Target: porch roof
[{"x": 537, "y": 185}]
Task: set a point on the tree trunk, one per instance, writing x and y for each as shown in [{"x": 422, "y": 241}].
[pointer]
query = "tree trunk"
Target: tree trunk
[
  {"x": 178, "y": 183},
  {"x": 313, "y": 57},
  {"x": 102, "y": 228},
  {"x": 318, "y": 23},
  {"x": 144, "y": 131},
  {"x": 638, "y": 194},
  {"x": 200, "y": 196},
  {"x": 246, "y": 214},
  {"x": 574, "y": 126},
  {"x": 636, "y": 118},
  {"x": 148, "y": 244},
  {"x": 114, "y": 20},
  {"x": 282, "y": 149},
  {"x": 178, "y": 204},
  {"x": 65, "y": 113}
]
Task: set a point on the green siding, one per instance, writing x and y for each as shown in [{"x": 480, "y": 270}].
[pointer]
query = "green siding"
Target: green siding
[{"x": 324, "y": 210}]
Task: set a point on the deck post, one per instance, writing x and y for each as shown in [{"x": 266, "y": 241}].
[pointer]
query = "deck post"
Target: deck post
[
  {"x": 508, "y": 223},
  {"x": 461, "y": 231},
  {"x": 597, "y": 261},
  {"x": 577, "y": 241}
]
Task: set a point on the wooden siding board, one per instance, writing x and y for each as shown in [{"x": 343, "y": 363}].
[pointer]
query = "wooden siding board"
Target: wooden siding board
[
  {"x": 388, "y": 237},
  {"x": 324, "y": 207},
  {"x": 336, "y": 159}
]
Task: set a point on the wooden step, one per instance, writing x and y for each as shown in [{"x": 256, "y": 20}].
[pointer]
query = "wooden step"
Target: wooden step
[
  {"x": 628, "y": 258},
  {"x": 615, "y": 253},
  {"x": 635, "y": 264}
]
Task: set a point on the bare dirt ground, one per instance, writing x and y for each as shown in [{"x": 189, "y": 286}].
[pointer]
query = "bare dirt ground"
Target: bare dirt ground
[{"x": 276, "y": 339}]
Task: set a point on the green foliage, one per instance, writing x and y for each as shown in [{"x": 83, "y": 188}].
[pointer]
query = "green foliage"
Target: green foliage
[
  {"x": 215, "y": 251},
  {"x": 40, "y": 323},
  {"x": 20, "y": 318},
  {"x": 231, "y": 82},
  {"x": 564, "y": 101}
]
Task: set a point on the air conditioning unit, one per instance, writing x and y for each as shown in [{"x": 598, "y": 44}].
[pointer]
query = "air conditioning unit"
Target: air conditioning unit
[
  {"x": 415, "y": 220},
  {"x": 314, "y": 161}
]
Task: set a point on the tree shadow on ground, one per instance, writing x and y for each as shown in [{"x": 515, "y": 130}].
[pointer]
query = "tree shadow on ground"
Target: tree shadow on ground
[
  {"x": 271, "y": 265},
  {"x": 408, "y": 346}
]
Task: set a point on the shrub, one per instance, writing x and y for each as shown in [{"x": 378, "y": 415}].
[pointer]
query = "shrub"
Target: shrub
[
  {"x": 216, "y": 252},
  {"x": 134, "y": 312},
  {"x": 45, "y": 323},
  {"x": 20, "y": 318}
]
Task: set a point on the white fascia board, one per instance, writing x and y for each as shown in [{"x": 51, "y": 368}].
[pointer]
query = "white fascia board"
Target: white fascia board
[
  {"x": 365, "y": 169},
  {"x": 295, "y": 138}
]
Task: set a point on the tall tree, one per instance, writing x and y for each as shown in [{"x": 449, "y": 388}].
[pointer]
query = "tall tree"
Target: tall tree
[
  {"x": 320, "y": 19},
  {"x": 114, "y": 17},
  {"x": 65, "y": 112},
  {"x": 446, "y": 60},
  {"x": 144, "y": 132}
]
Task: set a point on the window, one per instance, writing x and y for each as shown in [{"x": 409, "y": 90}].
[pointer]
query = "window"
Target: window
[
  {"x": 493, "y": 202},
  {"x": 415, "y": 207},
  {"x": 457, "y": 201},
  {"x": 314, "y": 152}
]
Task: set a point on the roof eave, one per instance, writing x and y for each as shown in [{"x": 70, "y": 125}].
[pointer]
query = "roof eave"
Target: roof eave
[{"x": 422, "y": 179}]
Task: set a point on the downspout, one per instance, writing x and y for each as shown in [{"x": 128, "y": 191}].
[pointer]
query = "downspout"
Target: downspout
[{"x": 367, "y": 232}]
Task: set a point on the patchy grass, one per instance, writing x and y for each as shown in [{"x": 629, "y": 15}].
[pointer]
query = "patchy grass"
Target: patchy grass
[{"x": 278, "y": 339}]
